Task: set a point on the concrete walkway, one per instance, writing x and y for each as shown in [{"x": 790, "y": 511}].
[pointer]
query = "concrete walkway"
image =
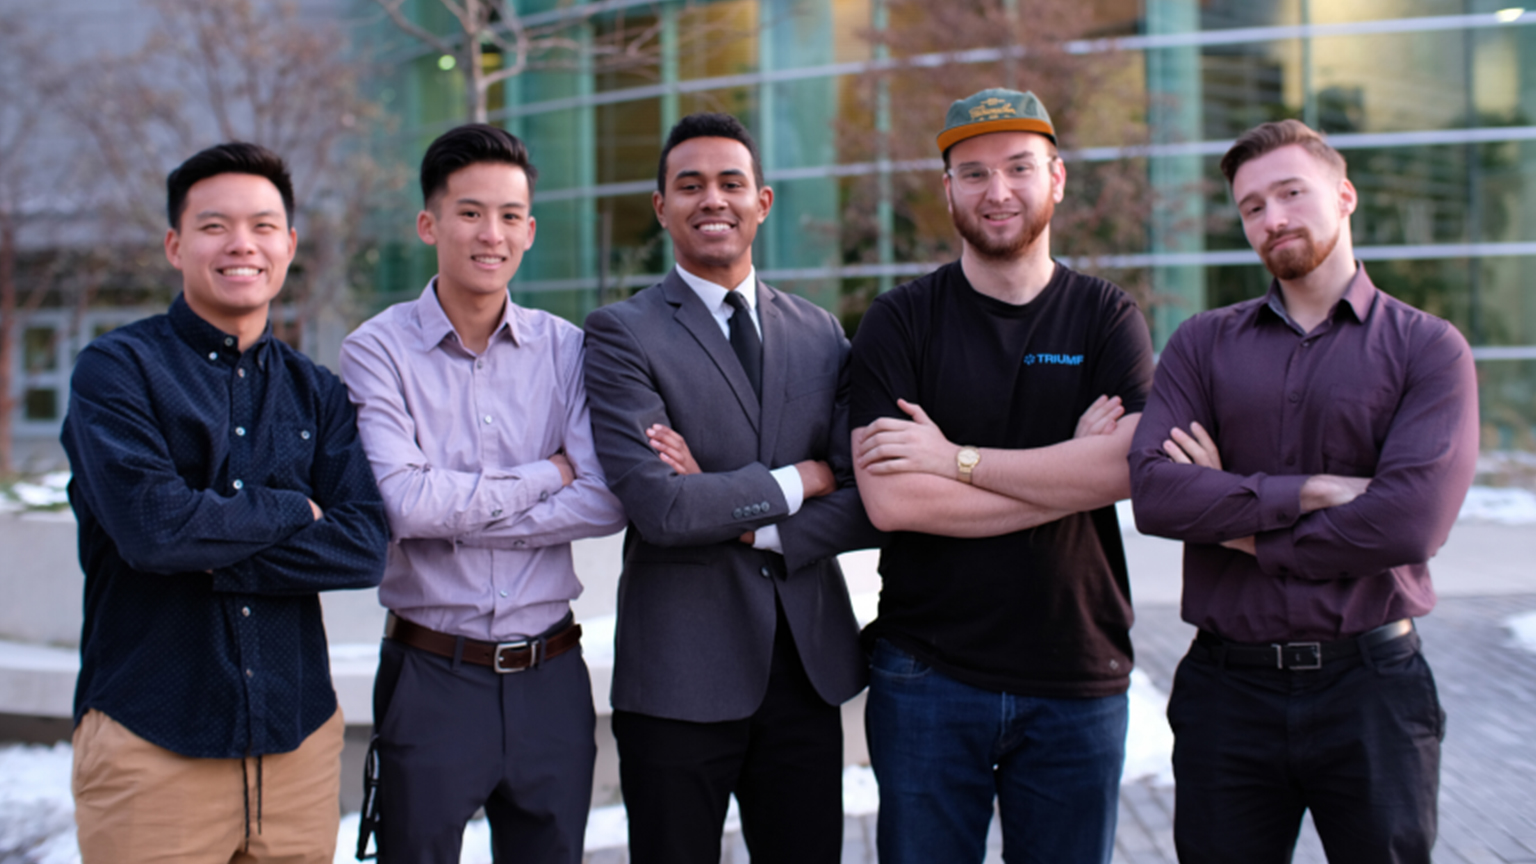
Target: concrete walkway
[{"x": 1485, "y": 574}]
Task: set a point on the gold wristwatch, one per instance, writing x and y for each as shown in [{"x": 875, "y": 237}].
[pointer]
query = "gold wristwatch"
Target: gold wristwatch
[{"x": 966, "y": 461}]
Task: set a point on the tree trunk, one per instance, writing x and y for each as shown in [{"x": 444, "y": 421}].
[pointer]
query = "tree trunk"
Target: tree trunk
[
  {"x": 7, "y": 338},
  {"x": 476, "y": 72}
]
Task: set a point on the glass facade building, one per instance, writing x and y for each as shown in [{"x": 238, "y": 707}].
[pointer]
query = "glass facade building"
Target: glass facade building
[{"x": 1431, "y": 101}]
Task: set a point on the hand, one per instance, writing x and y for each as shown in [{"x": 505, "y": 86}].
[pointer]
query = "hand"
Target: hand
[
  {"x": 748, "y": 538},
  {"x": 1101, "y": 418},
  {"x": 672, "y": 449},
  {"x": 893, "y": 446},
  {"x": 1321, "y": 491},
  {"x": 816, "y": 478},
  {"x": 313, "y": 508},
  {"x": 1197, "y": 449},
  {"x": 567, "y": 473}
]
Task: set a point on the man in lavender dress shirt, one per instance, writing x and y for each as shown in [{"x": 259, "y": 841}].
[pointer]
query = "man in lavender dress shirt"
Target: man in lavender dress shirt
[
  {"x": 473, "y": 412},
  {"x": 1312, "y": 448}
]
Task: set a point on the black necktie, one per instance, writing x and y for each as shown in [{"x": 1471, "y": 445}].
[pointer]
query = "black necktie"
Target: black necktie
[{"x": 745, "y": 342}]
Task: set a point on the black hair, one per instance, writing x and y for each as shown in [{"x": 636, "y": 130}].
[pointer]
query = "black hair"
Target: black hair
[
  {"x": 708, "y": 125},
  {"x": 234, "y": 157},
  {"x": 467, "y": 145}
]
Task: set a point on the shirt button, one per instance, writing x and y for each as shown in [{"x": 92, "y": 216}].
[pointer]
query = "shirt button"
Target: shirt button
[
  {"x": 304, "y": 434},
  {"x": 519, "y": 543},
  {"x": 496, "y": 512},
  {"x": 249, "y": 673},
  {"x": 240, "y": 372},
  {"x": 229, "y": 340},
  {"x": 213, "y": 355},
  {"x": 479, "y": 364},
  {"x": 238, "y": 485},
  {"x": 487, "y": 419},
  {"x": 1295, "y": 396},
  {"x": 502, "y": 593},
  {"x": 240, "y": 430},
  {"x": 543, "y": 496},
  {"x": 246, "y": 611}
]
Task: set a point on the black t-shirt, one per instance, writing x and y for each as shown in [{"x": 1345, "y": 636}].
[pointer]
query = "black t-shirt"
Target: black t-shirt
[{"x": 1040, "y": 612}]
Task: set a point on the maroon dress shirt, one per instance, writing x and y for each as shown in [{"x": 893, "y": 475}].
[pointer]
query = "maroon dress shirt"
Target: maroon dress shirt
[{"x": 1378, "y": 389}]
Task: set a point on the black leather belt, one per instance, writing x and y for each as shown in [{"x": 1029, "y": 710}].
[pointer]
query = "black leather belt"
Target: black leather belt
[
  {"x": 517, "y": 656},
  {"x": 1300, "y": 655}
]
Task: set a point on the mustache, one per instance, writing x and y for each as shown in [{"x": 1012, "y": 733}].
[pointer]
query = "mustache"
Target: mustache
[{"x": 1275, "y": 239}]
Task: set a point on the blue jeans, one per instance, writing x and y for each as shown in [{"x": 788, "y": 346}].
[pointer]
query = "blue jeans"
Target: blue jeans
[{"x": 942, "y": 750}]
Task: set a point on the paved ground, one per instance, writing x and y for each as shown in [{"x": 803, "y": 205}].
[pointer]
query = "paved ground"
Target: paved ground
[{"x": 1488, "y": 774}]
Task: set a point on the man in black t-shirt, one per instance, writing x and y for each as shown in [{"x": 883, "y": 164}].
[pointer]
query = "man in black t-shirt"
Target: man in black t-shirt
[{"x": 1002, "y": 654}]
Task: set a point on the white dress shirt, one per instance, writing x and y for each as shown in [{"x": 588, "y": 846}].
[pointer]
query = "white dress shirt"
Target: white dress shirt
[{"x": 713, "y": 296}]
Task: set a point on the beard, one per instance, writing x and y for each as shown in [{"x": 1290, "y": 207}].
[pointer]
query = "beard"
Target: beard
[
  {"x": 972, "y": 227},
  {"x": 1298, "y": 259}
]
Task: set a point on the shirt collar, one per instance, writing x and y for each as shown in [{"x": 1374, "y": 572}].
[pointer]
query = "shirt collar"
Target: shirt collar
[
  {"x": 1358, "y": 298},
  {"x": 209, "y": 340},
  {"x": 435, "y": 326},
  {"x": 713, "y": 295}
]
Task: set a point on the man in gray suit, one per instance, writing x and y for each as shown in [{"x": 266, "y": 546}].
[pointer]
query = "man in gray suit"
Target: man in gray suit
[{"x": 719, "y": 409}]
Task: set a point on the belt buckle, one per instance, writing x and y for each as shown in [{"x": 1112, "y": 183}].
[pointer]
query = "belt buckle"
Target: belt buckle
[
  {"x": 533, "y": 646},
  {"x": 1316, "y": 649}
]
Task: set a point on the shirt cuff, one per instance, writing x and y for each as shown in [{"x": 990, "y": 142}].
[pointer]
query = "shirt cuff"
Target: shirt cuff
[
  {"x": 790, "y": 484},
  {"x": 541, "y": 479},
  {"x": 1276, "y": 552},
  {"x": 1279, "y": 501},
  {"x": 767, "y": 537}
]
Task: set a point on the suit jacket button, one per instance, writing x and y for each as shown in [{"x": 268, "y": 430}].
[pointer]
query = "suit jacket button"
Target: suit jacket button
[
  {"x": 766, "y": 507},
  {"x": 767, "y": 574},
  {"x": 736, "y": 513}
]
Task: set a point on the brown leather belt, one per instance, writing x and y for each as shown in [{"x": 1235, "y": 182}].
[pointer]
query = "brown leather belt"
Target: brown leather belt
[{"x": 518, "y": 656}]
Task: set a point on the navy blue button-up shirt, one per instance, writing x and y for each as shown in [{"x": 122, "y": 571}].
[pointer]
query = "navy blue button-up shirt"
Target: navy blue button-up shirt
[{"x": 194, "y": 464}]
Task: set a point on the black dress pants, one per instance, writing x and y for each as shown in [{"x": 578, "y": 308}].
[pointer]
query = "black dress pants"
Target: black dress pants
[
  {"x": 1356, "y": 742},
  {"x": 453, "y": 737},
  {"x": 784, "y": 763}
]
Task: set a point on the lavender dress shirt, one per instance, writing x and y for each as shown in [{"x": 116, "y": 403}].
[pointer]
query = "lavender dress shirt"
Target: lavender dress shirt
[
  {"x": 1379, "y": 389},
  {"x": 460, "y": 445}
]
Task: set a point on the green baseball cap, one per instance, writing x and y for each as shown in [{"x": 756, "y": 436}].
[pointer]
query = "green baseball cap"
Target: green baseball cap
[{"x": 995, "y": 110}]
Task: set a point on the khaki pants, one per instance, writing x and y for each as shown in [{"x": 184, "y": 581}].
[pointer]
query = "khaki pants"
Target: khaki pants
[{"x": 137, "y": 802}]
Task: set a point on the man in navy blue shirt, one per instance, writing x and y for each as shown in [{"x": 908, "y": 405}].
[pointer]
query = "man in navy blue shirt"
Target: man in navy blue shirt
[{"x": 219, "y": 484}]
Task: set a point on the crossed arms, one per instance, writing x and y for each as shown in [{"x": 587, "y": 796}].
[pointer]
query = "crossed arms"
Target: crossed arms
[
  {"x": 1319, "y": 526},
  {"x": 262, "y": 540},
  {"x": 909, "y": 480},
  {"x": 556, "y": 498}
]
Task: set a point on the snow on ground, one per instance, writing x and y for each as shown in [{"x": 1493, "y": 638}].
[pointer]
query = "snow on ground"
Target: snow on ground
[
  {"x": 37, "y": 814},
  {"x": 1506, "y": 505},
  {"x": 48, "y": 491},
  {"x": 1524, "y": 629}
]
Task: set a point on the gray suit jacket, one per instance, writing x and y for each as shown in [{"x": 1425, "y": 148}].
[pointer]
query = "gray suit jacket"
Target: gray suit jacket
[{"x": 696, "y": 614}]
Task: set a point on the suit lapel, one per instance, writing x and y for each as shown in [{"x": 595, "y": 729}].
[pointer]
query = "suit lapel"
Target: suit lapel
[
  {"x": 775, "y": 367},
  {"x": 689, "y": 312}
]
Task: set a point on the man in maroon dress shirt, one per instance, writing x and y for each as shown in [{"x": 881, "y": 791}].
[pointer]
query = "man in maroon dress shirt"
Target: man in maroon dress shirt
[{"x": 1312, "y": 448}]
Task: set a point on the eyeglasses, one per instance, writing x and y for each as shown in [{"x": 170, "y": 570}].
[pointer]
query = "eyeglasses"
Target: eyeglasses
[{"x": 975, "y": 177}]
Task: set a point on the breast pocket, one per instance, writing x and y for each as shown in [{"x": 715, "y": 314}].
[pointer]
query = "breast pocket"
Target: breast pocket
[{"x": 1355, "y": 423}]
